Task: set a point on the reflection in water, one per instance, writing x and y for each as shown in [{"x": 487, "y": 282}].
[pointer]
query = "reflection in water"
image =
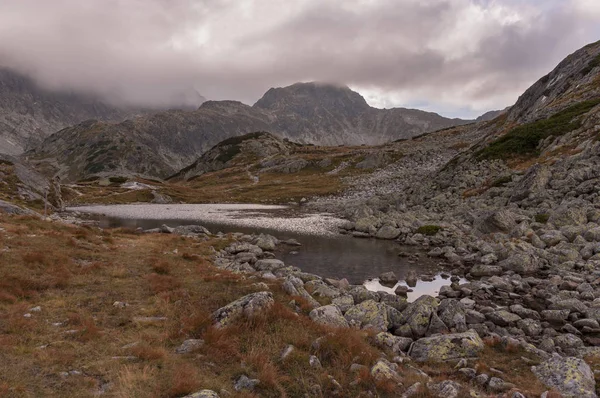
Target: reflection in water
[
  {"x": 336, "y": 257},
  {"x": 430, "y": 288}
]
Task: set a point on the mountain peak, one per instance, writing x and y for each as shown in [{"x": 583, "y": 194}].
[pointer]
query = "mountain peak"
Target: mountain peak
[{"x": 304, "y": 98}]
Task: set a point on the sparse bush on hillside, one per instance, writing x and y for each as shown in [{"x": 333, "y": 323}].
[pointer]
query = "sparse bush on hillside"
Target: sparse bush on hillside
[
  {"x": 502, "y": 181},
  {"x": 117, "y": 180},
  {"x": 429, "y": 230},
  {"x": 542, "y": 218},
  {"x": 524, "y": 140}
]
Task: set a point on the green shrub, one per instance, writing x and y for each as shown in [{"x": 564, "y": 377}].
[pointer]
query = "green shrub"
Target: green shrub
[
  {"x": 542, "y": 218},
  {"x": 593, "y": 64},
  {"x": 502, "y": 181},
  {"x": 429, "y": 230},
  {"x": 524, "y": 140},
  {"x": 117, "y": 180}
]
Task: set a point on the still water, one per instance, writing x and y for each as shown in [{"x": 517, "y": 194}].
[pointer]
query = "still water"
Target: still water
[{"x": 323, "y": 252}]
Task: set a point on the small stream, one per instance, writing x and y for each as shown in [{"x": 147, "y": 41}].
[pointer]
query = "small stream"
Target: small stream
[{"x": 323, "y": 252}]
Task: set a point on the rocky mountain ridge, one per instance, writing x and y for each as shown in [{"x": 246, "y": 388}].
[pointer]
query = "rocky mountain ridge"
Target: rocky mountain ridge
[
  {"x": 30, "y": 113},
  {"x": 304, "y": 112}
]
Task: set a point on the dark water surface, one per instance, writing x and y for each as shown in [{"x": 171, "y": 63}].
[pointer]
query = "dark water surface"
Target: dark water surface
[{"x": 338, "y": 256}]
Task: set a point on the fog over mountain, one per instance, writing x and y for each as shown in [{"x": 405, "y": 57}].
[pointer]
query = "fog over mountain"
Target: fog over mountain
[{"x": 455, "y": 57}]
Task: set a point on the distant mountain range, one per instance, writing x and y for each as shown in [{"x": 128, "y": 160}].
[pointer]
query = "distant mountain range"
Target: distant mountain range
[{"x": 160, "y": 144}]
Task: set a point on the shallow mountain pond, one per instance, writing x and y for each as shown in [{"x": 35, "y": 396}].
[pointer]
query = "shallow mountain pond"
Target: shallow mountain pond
[{"x": 323, "y": 252}]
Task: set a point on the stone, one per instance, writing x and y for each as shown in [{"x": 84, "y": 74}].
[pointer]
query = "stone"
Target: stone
[
  {"x": 270, "y": 264},
  {"x": 445, "y": 389},
  {"x": 446, "y": 347},
  {"x": 344, "y": 302},
  {"x": 570, "y": 376},
  {"x": 314, "y": 362},
  {"x": 480, "y": 270},
  {"x": 531, "y": 327},
  {"x": 497, "y": 385},
  {"x": 555, "y": 316},
  {"x": 245, "y": 383},
  {"x": 387, "y": 232},
  {"x": 369, "y": 315},
  {"x": 384, "y": 370},
  {"x": 189, "y": 345},
  {"x": 503, "y": 318},
  {"x": 203, "y": 394},
  {"x": 266, "y": 242},
  {"x": 418, "y": 314},
  {"x": 245, "y": 307},
  {"x": 396, "y": 344},
  {"x": 498, "y": 221},
  {"x": 329, "y": 315},
  {"x": 521, "y": 263},
  {"x": 411, "y": 278},
  {"x": 388, "y": 278}
]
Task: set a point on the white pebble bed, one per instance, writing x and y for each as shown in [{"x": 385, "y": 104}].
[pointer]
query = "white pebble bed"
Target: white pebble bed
[{"x": 280, "y": 218}]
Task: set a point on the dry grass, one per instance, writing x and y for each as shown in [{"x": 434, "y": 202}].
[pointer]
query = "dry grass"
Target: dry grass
[{"x": 79, "y": 343}]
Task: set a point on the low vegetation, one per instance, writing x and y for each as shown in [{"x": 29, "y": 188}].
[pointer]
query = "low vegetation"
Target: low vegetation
[
  {"x": 523, "y": 141},
  {"x": 429, "y": 230},
  {"x": 542, "y": 218}
]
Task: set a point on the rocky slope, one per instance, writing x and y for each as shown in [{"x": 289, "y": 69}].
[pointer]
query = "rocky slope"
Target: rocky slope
[
  {"x": 169, "y": 141},
  {"x": 517, "y": 212}
]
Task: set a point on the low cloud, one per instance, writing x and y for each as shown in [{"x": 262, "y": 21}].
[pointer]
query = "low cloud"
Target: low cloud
[{"x": 459, "y": 57}]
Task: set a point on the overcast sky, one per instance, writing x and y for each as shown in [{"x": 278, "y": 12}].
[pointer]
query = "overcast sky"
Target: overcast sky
[{"x": 454, "y": 57}]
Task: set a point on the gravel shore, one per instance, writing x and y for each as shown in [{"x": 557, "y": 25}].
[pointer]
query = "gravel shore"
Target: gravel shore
[{"x": 279, "y": 218}]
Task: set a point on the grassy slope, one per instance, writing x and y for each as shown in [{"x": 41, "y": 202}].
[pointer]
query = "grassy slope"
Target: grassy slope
[{"x": 75, "y": 274}]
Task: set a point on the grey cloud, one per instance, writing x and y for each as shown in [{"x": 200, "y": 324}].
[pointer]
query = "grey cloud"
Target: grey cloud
[{"x": 147, "y": 51}]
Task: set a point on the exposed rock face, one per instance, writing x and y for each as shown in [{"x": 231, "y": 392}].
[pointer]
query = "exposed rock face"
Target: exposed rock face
[
  {"x": 572, "y": 377},
  {"x": 446, "y": 347}
]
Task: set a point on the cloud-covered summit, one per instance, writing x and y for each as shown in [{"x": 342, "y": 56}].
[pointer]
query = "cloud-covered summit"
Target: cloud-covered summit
[{"x": 456, "y": 57}]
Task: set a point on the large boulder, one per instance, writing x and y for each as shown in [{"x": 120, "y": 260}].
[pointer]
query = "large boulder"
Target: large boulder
[
  {"x": 418, "y": 314},
  {"x": 570, "y": 376},
  {"x": 245, "y": 307},
  {"x": 452, "y": 313},
  {"x": 446, "y": 347},
  {"x": 329, "y": 315},
  {"x": 369, "y": 315},
  {"x": 387, "y": 232},
  {"x": 521, "y": 263},
  {"x": 269, "y": 264},
  {"x": 393, "y": 343},
  {"x": 500, "y": 221},
  {"x": 569, "y": 214},
  {"x": 533, "y": 184}
]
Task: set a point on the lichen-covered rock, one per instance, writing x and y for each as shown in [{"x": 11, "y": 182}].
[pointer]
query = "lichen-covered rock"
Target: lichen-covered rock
[
  {"x": 345, "y": 302},
  {"x": 452, "y": 313},
  {"x": 245, "y": 307},
  {"x": 418, "y": 314},
  {"x": 393, "y": 343},
  {"x": 447, "y": 347},
  {"x": 369, "y": 315},
  {"x": 486, "y": 270},
  {"x": 388, "y": 278},
  {"x": 384, "y": 370},
  {"x": 572, "y": 377},
  {"x": 503, "y": 318},
  {"x": 329, "y": 315}
]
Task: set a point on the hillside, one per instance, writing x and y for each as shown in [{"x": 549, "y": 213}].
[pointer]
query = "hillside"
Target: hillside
[{"x": 166, "y": 142}]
